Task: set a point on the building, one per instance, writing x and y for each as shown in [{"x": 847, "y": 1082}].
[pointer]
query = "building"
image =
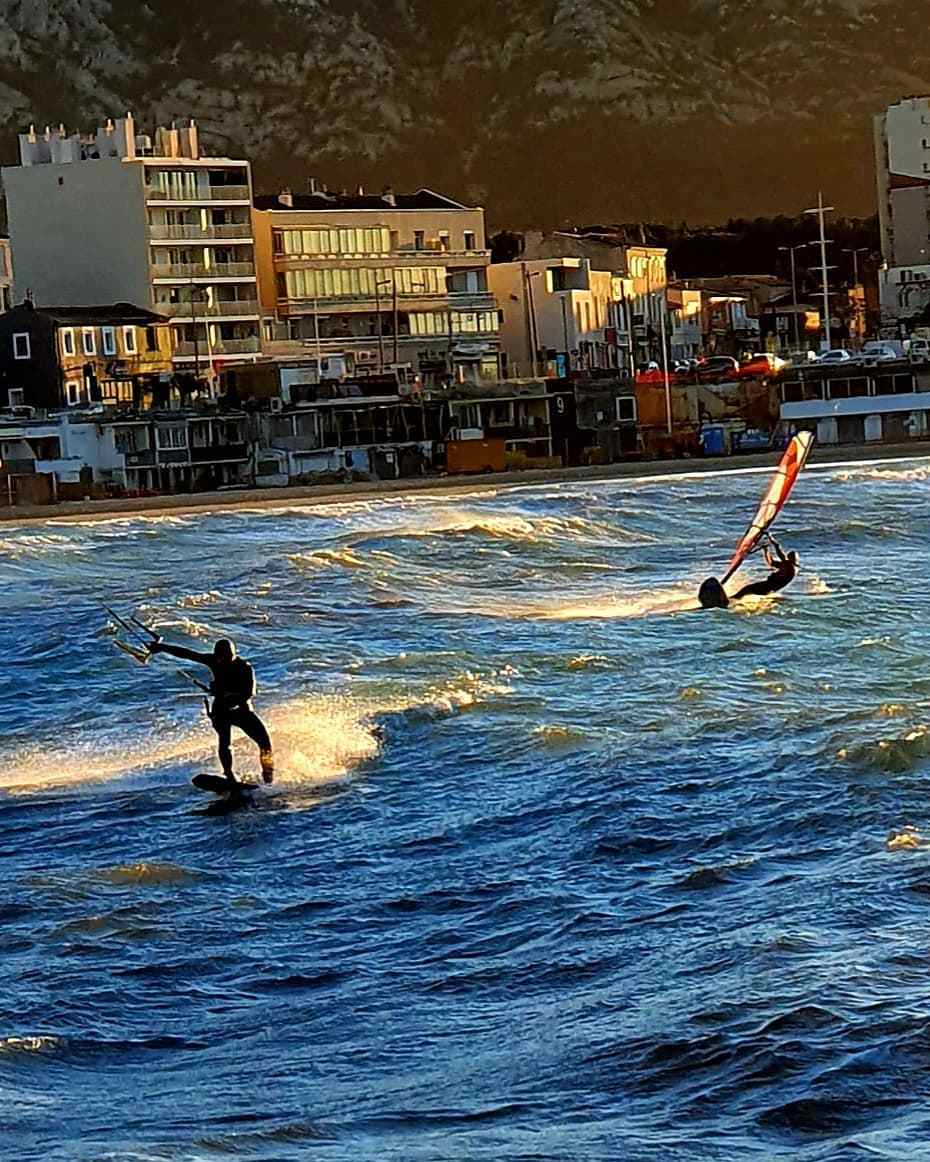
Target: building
[
  {"x": 59, "y": 357},
  {"x": 855, "y": 404},
  {"x": 686, "y": 335},
  {"x": 6, "y": 274},
  {"x": 558, "y": 316},
  {"x": 85, "y": 454},
  {"x": 902, "y": 166},
  {"x": 638, "y": 289},
  {"x": 119, "y": 216},
  {"x": 387, "y": 281}
]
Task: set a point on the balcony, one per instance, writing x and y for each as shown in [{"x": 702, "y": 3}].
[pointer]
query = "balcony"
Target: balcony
[
  {"x": 241, "y": 308},
  {"x": 200, "y": 233},
  {"x": 141, "y": 459},
  {"x": 203, "y": 194},
  {"x": 220, "y": 347},
  {"x": 187, "y": 270},
  {"x": 304, "y": 443},
  {"x": 219, "y": 453}
]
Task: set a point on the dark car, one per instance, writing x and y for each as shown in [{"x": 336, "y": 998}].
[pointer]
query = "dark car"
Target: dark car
[{"x": 718, "y": 367}]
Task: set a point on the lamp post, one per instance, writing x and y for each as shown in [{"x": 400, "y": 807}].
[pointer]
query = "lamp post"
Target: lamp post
[
  {"x": 378, "y": 286},
  {"x": 794, "y": 290},
  {"x": 855, "y": 251},
  {"x": 533, "y": 321}
]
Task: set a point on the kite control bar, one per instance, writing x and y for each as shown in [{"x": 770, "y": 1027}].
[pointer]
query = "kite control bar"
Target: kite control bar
[{"x": 146, "y": 637}]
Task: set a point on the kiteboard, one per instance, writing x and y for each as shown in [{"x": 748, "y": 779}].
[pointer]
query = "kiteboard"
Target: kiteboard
[
  {"x": 232, "y": 796},
  {"x": 712, "y": 594}
]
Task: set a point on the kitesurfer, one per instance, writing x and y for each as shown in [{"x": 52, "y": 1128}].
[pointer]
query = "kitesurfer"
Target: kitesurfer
[
  {"x": 783, "y": 566},
  {"x": 232, "y": 688}
]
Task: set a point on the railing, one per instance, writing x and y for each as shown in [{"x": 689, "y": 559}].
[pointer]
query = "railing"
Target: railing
[
  {"x": 195, "y": 233},
  {"x": 201, "y": 270},
  {"x": 220, "y": 347},
  {"x": 247, "y": 308},
  {"x": 201, "y": 194},
  {"x": 305, "y": 443},
  {"x": 219, "y": 453},
  {"x": 141, "y": 459}
]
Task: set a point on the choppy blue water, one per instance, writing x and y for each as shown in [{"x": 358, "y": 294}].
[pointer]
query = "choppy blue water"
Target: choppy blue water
[{"x": 555, "y": 869}]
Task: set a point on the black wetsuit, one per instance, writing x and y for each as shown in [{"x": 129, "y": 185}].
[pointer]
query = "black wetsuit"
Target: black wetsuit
[
  {"x": 782, "y": 574},
  {"x": 232, "y": 688}
]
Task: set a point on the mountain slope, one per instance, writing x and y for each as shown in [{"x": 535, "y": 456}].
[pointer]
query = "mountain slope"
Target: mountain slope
[{"x": 547, "y": 111}]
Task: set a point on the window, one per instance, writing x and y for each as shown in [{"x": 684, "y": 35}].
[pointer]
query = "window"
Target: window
[
  {"x": 172, "y": 436},
  {"x": 626, "y": 409},
  {"x": 88, "y": 341},
  {"x": 443, "y": 239},
  {"x": 418, "y": 236},
  {"x": 108, "y": 340},
  {"x": 129, "y": 340},
  {"x": 338, "y": 240},
  {"x": 15, "y": 397},
  {"x": 67, "y": 341},
  {"x": 21, "y": 345},
  {"x": 470, "y": 240},
  {"x": 151, "y": 339},
  {"x": 73, "y": 392}
]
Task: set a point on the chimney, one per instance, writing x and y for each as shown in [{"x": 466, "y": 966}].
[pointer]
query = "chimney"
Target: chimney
[
  {"x": 286, "y": 198},
  {"x": 360, "y": 191},
  {"x": 312, "y": 186},
  {"x": 387, "y": 196}
]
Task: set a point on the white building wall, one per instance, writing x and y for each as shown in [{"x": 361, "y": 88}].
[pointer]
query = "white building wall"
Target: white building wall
[{"x": 79, "y": 233}]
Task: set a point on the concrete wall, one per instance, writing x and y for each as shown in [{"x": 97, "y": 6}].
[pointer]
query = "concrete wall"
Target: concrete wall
[
  {"x": 911, "y": 229},
  {"x": 79, "y": 233}
]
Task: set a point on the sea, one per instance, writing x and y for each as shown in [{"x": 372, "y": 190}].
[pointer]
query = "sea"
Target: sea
[{"x": 555, "y": 867}]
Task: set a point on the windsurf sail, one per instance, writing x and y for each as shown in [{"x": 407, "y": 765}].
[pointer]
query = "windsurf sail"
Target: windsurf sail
[{"x": 786, "y": 474}]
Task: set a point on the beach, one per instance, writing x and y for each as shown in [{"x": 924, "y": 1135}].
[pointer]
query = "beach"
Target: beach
[{"x": 178, "y": 504}]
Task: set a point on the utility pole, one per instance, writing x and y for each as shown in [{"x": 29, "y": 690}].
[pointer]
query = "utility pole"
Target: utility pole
[{"x": 820, "y": 210}]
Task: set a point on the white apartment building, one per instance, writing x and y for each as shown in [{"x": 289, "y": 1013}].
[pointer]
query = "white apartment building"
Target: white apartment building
[
  {"x": 118, "y": 216},
  {"x": 902, "y": 163}
]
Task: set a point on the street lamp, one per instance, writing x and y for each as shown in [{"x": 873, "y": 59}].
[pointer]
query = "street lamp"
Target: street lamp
[
  {"x": 794, "y": 290},
  {"x": 855, "y": 252}
]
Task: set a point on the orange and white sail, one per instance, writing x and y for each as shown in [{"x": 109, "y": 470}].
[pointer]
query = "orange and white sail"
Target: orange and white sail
[{"x": 773, "y": 502}]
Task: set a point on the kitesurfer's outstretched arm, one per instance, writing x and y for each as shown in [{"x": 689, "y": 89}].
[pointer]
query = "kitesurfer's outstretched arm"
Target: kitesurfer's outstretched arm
[{"x": 182, "y": 652}]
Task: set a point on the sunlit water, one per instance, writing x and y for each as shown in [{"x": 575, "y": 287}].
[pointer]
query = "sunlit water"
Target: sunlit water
[{"x": 556, "y": 868}]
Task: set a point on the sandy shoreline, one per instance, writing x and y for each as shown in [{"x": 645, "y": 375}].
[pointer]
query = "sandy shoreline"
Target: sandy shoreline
[{"x": 269, "y": 498}]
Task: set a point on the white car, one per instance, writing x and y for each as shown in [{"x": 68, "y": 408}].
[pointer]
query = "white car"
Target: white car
[
  {"x": 837, "y": 355},
  {"x": 875, "y": 352}
]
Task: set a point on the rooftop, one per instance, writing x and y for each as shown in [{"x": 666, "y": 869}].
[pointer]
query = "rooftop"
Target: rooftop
[
  {"x": 323, "y": 199},
  {"x": 108, "y": 313}
]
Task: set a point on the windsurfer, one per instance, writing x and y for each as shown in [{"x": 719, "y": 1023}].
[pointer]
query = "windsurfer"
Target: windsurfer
[{"x": 783, "y": 566}]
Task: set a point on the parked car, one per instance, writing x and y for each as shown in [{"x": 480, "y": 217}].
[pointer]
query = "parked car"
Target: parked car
[
  {"x": 762, "y": 363},
  {"x": 718, "y": 367},
  {"x": 799, "y": 358},
  {"x": 918, "y": 350},
  {"x": 837, "y": 355},
  {"x": 881, "y": 351}
]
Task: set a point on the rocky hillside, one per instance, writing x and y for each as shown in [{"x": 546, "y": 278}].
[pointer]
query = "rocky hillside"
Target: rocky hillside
[{"x": 547, "y": 111}]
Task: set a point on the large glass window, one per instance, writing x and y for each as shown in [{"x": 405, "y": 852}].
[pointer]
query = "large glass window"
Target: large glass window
[
  {"x": 360, "y": 282},
  {"x": 340, "y": 240}
]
